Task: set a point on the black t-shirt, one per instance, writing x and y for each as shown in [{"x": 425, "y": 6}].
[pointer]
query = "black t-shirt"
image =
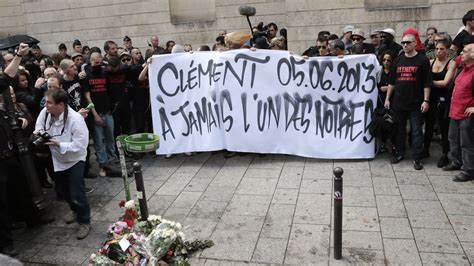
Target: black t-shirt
[
  {"x": 384, "y": 78},
  {"x": 98, "y": 90},
  {"x": 410, "y": 76},
  {"x": 459, "y": 40},
  {"x": 117, "y": 84},
  {"x": 75, "y": 90}
]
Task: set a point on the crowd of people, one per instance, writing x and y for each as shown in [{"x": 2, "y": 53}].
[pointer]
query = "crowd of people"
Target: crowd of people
[{"x": 65, "y": 98}]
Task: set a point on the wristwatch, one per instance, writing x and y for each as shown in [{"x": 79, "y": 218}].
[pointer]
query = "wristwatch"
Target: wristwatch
[{"x": 426, "y": 101}]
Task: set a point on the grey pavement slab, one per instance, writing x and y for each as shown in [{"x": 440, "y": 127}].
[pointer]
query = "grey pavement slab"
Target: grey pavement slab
[
  {"x": 390, "y": 206},
  {"x": 457, "y": 203},
  {"x": 386, "y": 186},
  {"x": 437, "y": 241},
  {"x": 360, "y": 219},
  {"x": 361, "y": 240},
  {"x": 232, "y": 245},
  {"x": 401, "y": 251},
  {"x": 359, "y": 196},
  {"x": 393, "y": 227},
  {"x": 426, "y": 214},
  {"x": 358, "y": 256},
  {"x": 308, "y": 243},
  {"x": 443, "y": 259},
  {"x": 270, "y": 250},
  {"x": 278, "y": 209},
  {"x": 463, "y": 226},
  {"x": 285, "y": 196},
  {"x": 307, "y": 212}
]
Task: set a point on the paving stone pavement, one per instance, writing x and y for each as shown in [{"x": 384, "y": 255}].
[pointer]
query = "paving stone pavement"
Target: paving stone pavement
[{"x": 277, "y": 209}]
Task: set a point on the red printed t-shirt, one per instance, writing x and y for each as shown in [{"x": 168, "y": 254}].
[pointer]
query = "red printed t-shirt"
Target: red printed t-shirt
[
  {"x": 462, "y": 94},
  {"x": 410, "y": 75},
  {"x": 99, "y": 94}
]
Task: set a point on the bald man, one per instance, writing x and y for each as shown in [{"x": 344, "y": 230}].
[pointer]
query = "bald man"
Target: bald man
[{"x": 461, "y": 127}]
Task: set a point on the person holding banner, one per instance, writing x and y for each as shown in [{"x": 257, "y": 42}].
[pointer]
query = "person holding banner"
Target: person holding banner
[{"x": 409, "y": 83}]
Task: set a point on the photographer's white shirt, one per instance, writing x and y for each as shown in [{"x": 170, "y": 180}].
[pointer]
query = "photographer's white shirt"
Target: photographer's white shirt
[{"x": 73, "y": 139}]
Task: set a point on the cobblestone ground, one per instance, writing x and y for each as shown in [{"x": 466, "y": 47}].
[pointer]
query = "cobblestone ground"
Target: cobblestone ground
[{"x": 278, "y": 209}]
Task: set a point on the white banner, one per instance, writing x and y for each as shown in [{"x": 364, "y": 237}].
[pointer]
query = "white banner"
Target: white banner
[{"x": 265, "y": 102}]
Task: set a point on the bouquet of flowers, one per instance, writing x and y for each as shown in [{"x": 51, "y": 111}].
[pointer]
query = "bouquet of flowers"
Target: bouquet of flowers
[{"x": 133, "y": 242}]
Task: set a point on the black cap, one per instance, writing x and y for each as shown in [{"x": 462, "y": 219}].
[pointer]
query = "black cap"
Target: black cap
[
  {"x": 62, "y": 46},
  {"x": 35, "y": 47},
  {"x": 76, "y": 42},
  {"x": 126, "y": 39}
]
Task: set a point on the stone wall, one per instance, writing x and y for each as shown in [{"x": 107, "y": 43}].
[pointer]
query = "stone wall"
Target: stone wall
[{"x": 93, "y": 22}]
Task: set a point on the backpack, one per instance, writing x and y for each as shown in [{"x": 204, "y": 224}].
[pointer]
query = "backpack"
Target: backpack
[{"x": 383, "y": 122}]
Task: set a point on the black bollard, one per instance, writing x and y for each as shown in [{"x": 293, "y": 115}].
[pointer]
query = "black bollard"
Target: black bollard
[
  {"x": 338, "y": 212},
  {"x": 137, "y": 172}
]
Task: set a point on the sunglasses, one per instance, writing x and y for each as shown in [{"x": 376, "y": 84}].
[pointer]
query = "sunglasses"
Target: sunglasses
[
  {"x": 321, "y": 47},
  {"x": 356, "y": 39},
  {"x": 386, "y": 60},
  {"x": 383, "y": 36},
  {"x": 126, "y": 60},
  {"x": 406, "y": 42}
]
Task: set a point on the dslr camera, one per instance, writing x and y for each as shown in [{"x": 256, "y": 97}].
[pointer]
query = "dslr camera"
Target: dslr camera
[{"x": 40, "y": 138}]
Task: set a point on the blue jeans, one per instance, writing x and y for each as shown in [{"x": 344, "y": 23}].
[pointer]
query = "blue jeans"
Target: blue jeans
[
  {"x": 104, "y": 139},
  {"x": 71, "y": 183},
  {"x": 416, "y": 130}
]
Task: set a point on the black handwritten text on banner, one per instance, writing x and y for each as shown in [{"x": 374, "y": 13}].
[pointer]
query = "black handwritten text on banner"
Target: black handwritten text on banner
[{"x": 264, "y": 102}]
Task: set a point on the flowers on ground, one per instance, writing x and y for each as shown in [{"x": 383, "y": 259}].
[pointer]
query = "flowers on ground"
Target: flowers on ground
[{"x": 134, "y": 242}]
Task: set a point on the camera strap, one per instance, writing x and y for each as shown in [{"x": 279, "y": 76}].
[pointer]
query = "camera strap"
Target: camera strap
[{"x": 51, "y": 121}]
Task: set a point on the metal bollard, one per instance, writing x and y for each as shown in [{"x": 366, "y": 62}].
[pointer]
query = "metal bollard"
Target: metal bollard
[
  {"x": 137, "y": 172},
  {"x": 338, "y": 212}
]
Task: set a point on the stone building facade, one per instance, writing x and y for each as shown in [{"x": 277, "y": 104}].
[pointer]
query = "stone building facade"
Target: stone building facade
[{"x": 199, "y": 21}]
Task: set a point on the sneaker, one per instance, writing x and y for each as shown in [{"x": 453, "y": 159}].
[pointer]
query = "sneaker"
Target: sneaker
[
  {"x": 188, "y": 154},
  {"x": 443, "y": 161},
  {"x": 70, "y": 218},
  {"x": 169, "y": 156},
  {"x": 83, "y": 231},
  {"x": 102, "y": 172},
  {"x": 461, "y": 177},
  {"x": 417, "y": 165},
  {"x": 89, "y": 189},
  {"x": 9, "y": 250},
  {"x": 452, "y": 167},
  {"x": 396, "y": 159}
]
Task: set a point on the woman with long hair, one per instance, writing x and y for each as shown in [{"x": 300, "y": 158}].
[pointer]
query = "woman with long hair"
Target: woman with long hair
[
  {"x": 387, "y": 59},
  {"x": 442, "y": 70},
  {"x": 26, "y": 93}
]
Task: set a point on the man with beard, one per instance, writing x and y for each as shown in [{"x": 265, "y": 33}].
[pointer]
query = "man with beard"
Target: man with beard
[
  {"x": 111, "y": 50},
  {"x": 388, "y": 44}
]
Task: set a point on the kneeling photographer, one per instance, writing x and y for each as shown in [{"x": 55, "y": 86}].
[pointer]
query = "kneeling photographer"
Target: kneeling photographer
[{"x": 65, "y": 132}]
